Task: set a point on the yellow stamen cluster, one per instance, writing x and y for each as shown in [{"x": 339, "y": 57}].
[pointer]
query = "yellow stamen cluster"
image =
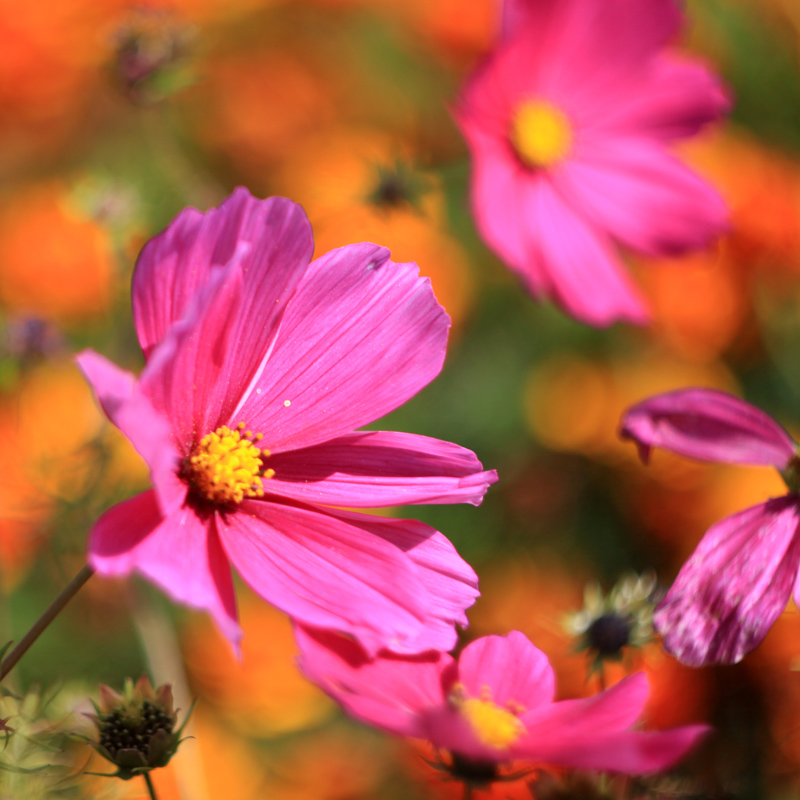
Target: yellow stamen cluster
[
  {"x": 226, "y": 466},
  {"x": 492, "y": 724},
  {"x": 541, "y": 133}
]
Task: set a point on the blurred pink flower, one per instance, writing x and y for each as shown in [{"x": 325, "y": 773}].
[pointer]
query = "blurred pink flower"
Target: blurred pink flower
[
  {"x": 493, "y": 705},
  {"x": 740, "y": 578},
  {"x": 244, "y": 337},
  {"x": 569, "y": 121}
]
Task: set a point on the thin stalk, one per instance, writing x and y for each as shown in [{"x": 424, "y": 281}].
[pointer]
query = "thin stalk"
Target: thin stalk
[
  {"x": 39, "y": 626},
  {"x": 150, "y": 788},
  {"x": 601, "y": 677}
]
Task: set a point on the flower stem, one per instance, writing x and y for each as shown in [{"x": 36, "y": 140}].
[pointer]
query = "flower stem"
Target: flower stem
[
  {"x": 150, "y": 788},
  {"x": 39, "y": 626}
]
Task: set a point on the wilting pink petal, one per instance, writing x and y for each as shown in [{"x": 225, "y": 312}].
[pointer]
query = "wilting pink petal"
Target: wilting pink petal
[
  {"x": 361, "y": 336},
  {"x": 378, "y": 468},
  {"x": 382, "y": 692},
  {"x": 469, "y": 707},
  {"x": 708, "y": 425},
  {"x": 330, "y": 572},
  {"x": 252, "y": 354},
  {"x": 180, "y": 553},
  {"x": 735, "y": 585},
  {"x": 609, "y": 97}
]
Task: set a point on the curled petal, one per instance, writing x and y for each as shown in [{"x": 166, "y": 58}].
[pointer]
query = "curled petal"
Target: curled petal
[
  {"x": 734, "y": 586},
  {"x": 710, "y": 426}
]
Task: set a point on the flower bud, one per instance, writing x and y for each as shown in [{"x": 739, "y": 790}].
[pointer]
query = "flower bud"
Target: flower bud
[{"x": 137, "y": 728}]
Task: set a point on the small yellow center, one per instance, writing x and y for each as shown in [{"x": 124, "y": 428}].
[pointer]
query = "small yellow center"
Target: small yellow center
[
  {"x": 541, "y": 133},
  {"x": 226, "y": 466},
  {"x": 493, "y": 726}
]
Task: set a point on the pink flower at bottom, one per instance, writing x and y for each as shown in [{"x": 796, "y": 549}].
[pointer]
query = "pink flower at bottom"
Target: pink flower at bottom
[
  {"x": 260, "y": 366},
  {"x": 740, "y": 578},
  {"x": 493, "y": 705},
  {"x": 570, "y": 122}
]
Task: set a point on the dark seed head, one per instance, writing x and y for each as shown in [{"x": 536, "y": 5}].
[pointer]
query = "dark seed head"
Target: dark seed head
[{"x": 608, "y": 634}]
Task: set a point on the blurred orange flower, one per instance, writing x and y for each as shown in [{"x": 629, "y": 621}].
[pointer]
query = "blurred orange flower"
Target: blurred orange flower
[
  {"x": 55, "y": 261},
  {"x": 264, "y": 693},
  {"x": 761, "y": 187},
  {"x": 252, "y": 107},
  {"x": 46, "y": 424},
  {"x": 357, "y": 185},
  {"x": 49, "y": 62},
  {"x": 699, "y": 302}
]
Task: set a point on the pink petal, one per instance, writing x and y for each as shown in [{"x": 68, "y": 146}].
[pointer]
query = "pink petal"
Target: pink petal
[
  {"x": 450, "y": 583},
  {"x": 148, "y": 430},
  {"x": 186, "y": 376},
  {"x": 640, "y": 194},
  {"x": 585, "y": 51},
  {"x": 708, "y": 425},
  {"x": 586, "y": 279},
  {"x": 179, "y": 553},
  {"x": 628, "y": 752},
  {"x": 333, "y": 573},
  {"x": 674, "y": 99},
  {"x": 735, "y": 585},
  {"x": 514, "y": 670},
  {"x": 361, "y": 336},
  {"x": 592, "y": 733},
  {"x": 270, "y": 239},
  {"x": 376, "y": 469},
  {"x": 389, "y": 692},
  {"x": 613, "y": 710},
  {"x": 496, "y": 189},
  {"x": 635, "y": 27}
]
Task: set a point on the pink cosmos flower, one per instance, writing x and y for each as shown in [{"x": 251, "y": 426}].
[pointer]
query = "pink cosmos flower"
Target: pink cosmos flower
[
  {"x": 569, "y": 122},
  {"x": 739, "y": 579},
  {"x": 260, "y": 366},
  {"x": 493, "y": 705}
]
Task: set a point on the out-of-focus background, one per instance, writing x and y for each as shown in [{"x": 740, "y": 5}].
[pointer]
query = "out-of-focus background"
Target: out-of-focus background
[{"x": 114, "y": 115}]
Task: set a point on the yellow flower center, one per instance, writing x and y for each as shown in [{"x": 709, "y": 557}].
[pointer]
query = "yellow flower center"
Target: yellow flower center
[
  {"x": 493, "y": 725},
  {"x": 541, "y": 133},
  {"x": 226, "y": 466}
]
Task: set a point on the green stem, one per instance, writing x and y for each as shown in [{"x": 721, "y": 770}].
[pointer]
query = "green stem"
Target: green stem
[
  {"x": 150, "y": 788},
  {"x": 39, "y": 626}
]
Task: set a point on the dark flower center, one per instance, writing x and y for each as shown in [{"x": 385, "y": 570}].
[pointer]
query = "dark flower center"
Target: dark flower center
[
  {"x": 123, "y": 731},
  {"x": 608, "y": 634},
  {"x": 472, "y": 770}
]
